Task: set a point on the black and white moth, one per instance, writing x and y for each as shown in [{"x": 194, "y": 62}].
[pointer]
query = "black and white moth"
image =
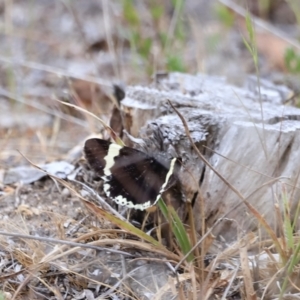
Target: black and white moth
[{"x": 131, "y": 177}]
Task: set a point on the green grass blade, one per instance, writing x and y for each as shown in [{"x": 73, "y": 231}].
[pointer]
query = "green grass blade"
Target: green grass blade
[{"x": 177, "y": 228}]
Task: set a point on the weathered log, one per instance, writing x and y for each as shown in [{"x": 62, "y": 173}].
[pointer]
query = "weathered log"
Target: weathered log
[{"x": 252, "y": 141}]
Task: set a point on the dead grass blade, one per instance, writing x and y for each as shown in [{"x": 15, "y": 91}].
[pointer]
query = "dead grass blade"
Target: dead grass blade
[
  {"x": 255, "y": 213},
  {"x": 233, "y": 277},
  {"x": 24, "y": 283},
  {"x": 140, "y": 245},
  {"x": 247, "y": 278},
  {"x": 173, "y": 281},
  {"x": 111, "y": 132}
]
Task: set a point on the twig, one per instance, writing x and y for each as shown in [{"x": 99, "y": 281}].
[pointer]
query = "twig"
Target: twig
[{"x": 63, "y": 242}]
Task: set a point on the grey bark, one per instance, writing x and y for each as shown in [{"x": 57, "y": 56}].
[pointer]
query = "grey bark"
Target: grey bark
[{"x": 253, "y": 141}]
